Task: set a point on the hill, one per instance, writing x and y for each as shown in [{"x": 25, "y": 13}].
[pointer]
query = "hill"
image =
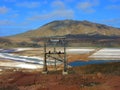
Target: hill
[
  {"x": 66, "y": 27},
  {"x": 78, "y": 33}
]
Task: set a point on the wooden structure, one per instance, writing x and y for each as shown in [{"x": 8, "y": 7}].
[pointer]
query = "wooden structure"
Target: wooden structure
[{"x": 53, "y": 43}]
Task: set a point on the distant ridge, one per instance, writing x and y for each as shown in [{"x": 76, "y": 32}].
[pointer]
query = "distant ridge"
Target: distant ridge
[{"x": 71, "y": 27}]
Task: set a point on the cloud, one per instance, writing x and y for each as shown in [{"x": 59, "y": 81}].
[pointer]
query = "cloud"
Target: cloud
[
  {"x": 3, "y": 10},
  {"x": 10, "y": 0},
  {"x": 11, "y": 23},
  {"x": 45, "y": 2},
  {"x": 114, "y": 7},
  {"x": 114, "y": 0},
  {"x": 114, "y": 20},
  {"x": 58, "y": 5},
  {"x": 14, "y": 16},
  {"x": 28, "y": 4},
  {"x": 6, "y": 23},
  {"x": 88, "y": 6},
  {"x": 55, "y": 14},
  {"x": 69, "y": 0},
  {"x": 59, "y": 11}
]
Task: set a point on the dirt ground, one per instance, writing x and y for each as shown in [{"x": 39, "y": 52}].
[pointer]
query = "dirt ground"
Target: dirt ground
[{"x": 20, "y": 80}]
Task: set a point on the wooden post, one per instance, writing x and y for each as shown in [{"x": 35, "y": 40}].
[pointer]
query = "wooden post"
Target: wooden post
[
  {"x": 65, "y": 60},
  {"x": 45, "y": 71}
]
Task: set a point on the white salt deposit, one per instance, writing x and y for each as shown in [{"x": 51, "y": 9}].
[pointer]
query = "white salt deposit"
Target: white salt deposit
[
  {"x": 103, "y": 54},
  {"x": 79, "y": 51},
  {"x": 29, "y": 66},
  {"x": 23, "y": 49},
  {"x": 20, "y": 65},
  {"x": 0, "y": 70},
  {"x": 107, "y": 53},
  {"x": 32, "y": 60}
]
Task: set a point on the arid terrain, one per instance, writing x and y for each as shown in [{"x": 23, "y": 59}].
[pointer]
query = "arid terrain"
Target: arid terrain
[
  {"x": 91, "y": 77},
  {"x": 27, "y": 76},
  {"x": 59, "y": 45},
  {"x": 22, "y": 68}
]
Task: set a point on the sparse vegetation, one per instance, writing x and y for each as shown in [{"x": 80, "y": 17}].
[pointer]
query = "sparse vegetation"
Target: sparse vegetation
[
  {"x": 4, "y": 42},
  {"x": 7, "y": 43},
  {"x": 26, "y": 44},
  {"x": 108, "y": 68},
  {"x": 91, "y": 77}
]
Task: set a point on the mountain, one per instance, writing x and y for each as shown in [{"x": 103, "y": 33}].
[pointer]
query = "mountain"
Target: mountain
[
  {"x": 78, "y": 33},
  {"x": 71, "y": 27}
]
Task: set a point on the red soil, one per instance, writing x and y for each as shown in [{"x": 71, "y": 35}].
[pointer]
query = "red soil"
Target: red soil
[{"x": 37, "y": 81}]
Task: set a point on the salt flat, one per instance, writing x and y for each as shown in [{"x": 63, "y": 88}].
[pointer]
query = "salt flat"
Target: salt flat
[
  {"x": 20, "y": 65},
  {"x": 26, "y": 62},
  {"x": 79, "y": 50},
  {"x": 29, "y": 62},
  {"x": 106, "y": 54}
]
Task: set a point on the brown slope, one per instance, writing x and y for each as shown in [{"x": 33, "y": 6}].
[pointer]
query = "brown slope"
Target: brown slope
[{"x": 64, "y": 27}]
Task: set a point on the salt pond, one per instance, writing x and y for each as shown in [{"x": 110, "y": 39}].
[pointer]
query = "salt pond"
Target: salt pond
[
  {"x": 83, "y": 63},
  {"x": 20, "y": 65},
  {"x": 104, "y": 55},
  {"x": 101, "y": 56},
  {"x": 107, "y": 54},
  {"x": 79, "y": 50},
  {"x": 22, "y": 61}
]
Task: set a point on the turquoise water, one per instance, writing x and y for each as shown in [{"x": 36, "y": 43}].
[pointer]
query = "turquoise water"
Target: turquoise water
[{"x": 83, "y": 63}]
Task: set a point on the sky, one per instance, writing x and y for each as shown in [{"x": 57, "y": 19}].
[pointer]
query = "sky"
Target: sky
[{"x": 18, "y": 16}]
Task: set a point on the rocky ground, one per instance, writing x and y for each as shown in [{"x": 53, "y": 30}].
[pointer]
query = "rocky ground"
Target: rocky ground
[{"x": 91, "y": 77}]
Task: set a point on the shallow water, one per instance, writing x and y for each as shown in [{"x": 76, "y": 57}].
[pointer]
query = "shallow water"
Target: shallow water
[{"x": 83, "y": 63}]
